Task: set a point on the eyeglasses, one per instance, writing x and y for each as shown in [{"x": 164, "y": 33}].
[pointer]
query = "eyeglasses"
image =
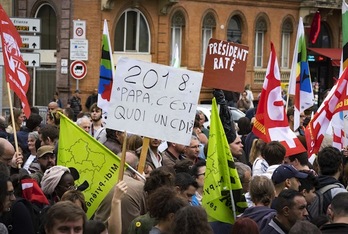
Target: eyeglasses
[{"x": 203, "y": 174}]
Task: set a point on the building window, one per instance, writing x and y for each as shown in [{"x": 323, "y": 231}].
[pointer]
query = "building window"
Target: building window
[
  {"x": 286, "y": 35},
  {"x": 261, "y": 28},
  {"x": 178, "y": 23},
  {"x": 48, "y": 27},
  {"x": 234, "y": 33},
  {"x": 208, "y": 27},
  {"x": 132, "y": 33}
]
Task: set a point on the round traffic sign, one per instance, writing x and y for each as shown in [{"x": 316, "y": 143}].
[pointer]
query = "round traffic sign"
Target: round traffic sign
[
  {"x": 78, "y": 69},
  {"x": 79, "y": 31}
]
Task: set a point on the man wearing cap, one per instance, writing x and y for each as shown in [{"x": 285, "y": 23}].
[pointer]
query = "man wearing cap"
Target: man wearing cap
[
  {"x": 286, "y": 177},
  {"x": 45, "y": 160},
  {"x": 75, "y": 103}
]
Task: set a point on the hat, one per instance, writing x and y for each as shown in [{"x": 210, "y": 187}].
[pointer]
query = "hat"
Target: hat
[
  {"x": 52, "y": 177},
  {"x": 284, "y": 172},
  {"x": 46, "y": 149}
]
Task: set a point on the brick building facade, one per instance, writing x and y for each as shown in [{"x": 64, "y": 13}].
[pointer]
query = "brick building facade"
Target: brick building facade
[{"x": 149, "y": 30}]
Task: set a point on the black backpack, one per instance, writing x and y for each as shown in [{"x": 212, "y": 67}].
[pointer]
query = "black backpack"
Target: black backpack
[
  {"x": 317, "y": 207},
  {"x": 36, "y": 212}
]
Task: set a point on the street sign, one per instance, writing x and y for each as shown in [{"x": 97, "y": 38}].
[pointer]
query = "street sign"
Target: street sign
[
  {"x": 78, "y": 49},
  {"x": 30, "y": 42},
  {"x": 79, "y": 29},
  {"x": 28, "y": 25},
  {"x": 31, "y": 59},
  {"x": 78, "y": 69}
]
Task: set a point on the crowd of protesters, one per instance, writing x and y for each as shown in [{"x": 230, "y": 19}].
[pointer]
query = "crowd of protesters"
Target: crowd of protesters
[{"x": 285, "y": 194}]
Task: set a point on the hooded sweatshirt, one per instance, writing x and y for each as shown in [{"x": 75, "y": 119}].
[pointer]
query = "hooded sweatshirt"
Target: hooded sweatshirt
[{"x": 262, "y": 215}]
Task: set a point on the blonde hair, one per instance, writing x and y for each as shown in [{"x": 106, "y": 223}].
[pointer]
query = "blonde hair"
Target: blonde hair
[{"x": 256, "y": 149}]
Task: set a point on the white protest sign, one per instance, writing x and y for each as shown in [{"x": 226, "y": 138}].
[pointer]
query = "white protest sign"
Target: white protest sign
[{"x": 154, "y": 100}]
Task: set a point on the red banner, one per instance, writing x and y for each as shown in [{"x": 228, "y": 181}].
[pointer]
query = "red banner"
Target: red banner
[{"x": 15, "y": 70}]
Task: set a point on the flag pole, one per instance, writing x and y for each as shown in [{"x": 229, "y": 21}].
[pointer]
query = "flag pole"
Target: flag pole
[
  {"x": 13, "y": 120},
  {"x": 144, "y": 149},
  {"x": 123, "y": 158}
]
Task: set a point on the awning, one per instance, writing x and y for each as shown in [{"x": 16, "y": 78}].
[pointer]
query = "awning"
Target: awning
[{"x": 332, "y": 53}]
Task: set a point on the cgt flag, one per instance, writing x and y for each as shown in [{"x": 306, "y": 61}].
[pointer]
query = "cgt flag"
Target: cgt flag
[
  {"x": 106, "y": 72},
  {"x": 335, "y": 102},
  {"x": 300, "y": 84},
  {"x": 221, "y": 176},
  {"x": 16, "y": 72},
  {"x": 98, "y": 167},
  {"x": 271, "y": 122}
]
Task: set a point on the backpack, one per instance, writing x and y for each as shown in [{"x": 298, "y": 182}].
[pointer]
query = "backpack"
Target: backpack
[
  {"x": 36, "y": 212},
  {"x": 317, "y": 207}
]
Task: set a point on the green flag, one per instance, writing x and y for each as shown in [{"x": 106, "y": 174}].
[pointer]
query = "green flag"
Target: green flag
[
  {"x": 344, "y": 35},
  {"x": 97, "y": 165},
  {"x": 221, "y": 176}
]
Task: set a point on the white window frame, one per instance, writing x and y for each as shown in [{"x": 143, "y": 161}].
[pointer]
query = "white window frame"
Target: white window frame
[
  {"x": 259, "y": 34},
  {"x": 207, "y": 33},
  {"x": 285, "y": 49},
  {"x": 137, "y": 39}
]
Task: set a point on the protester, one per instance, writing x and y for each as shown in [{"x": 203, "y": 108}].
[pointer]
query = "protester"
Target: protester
[
  {"x": 330, "y": 167},
  {"x": 304, "y": 226},
  {"x": 84, "y": 123},
  {"x": 65, "y": 216},
  {"x": 243, "y": 103},
  {"x": 56, "y": 181},
  {"x": 91, "y": 99},
  {"x": 163, "y": 204},
  {"x": 6, "y": 198},
  {"x": 114, "y": 140},
  {"x": 133, "y": 203},
  {"x": 245, "y": 226},
  {"x": 299, "y": 161},
  {"x": 262, "y": 193},
  {"x": 97, "y": 126},
  {"x": 173, "y": 153},
  {"x": 115, "y": 219},
  {"x": 287, "y": 177},
  {"x": 134, "y": 142},
  {"x": 158, "y": 178},
  {"x": 290, "y": 207},
  {"x": 46, "y": 159},
  {"x": 95, "y": 227},
  {"x": 33, "y": 137},
  {"x": 338, "y": 213},
  {"x": 186, "y": 186},
  {"x": 57, "y": 99},
  {"x": 154, "y": 157},
  {"x": 49, "y": 135},
  {"x": 198, "y": 172},
  {"x": 52, "y": 106},
  {"x": 259, "y": 164},
  {"x": 191, "y": 219},
  {"x": 19, "y": 117},
  {"x": 75, "y": 103},
  {"x": 191, "y": 151},
  {"x": 274, "y": 153},
  {"x": 307, "y": 187},
  {"x": 75, "y": 196}
]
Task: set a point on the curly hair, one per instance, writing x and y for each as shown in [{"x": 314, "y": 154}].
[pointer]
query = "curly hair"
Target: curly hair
[
  {"x": 159, "y": 177},
  {"x": 191, "y": 219},
  {"x": 163, "y": 202}
]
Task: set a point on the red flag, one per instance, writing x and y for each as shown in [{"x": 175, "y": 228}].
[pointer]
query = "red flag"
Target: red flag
[
  {"x": 271, "y": 122},
  {"x": 315, "y": 28},
  {"x": 336, "y": 101},
  {"x": 32, "y": 192},
  {"x": 16, "y": 72}
]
